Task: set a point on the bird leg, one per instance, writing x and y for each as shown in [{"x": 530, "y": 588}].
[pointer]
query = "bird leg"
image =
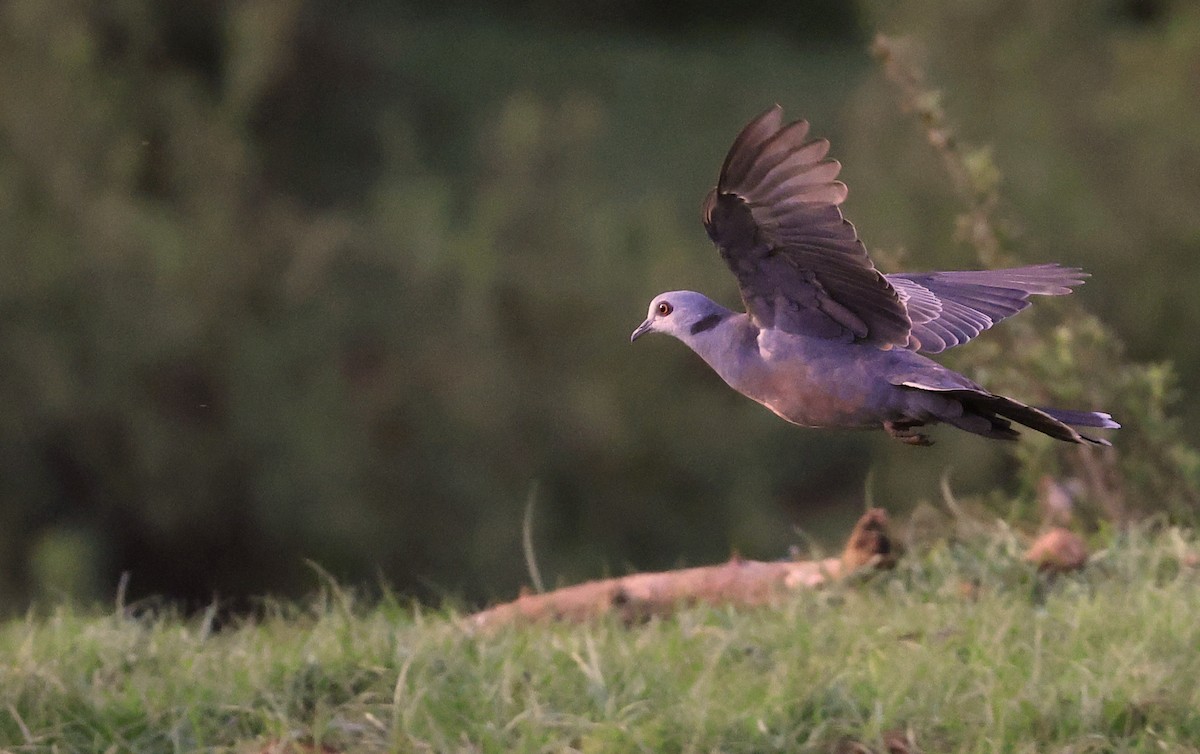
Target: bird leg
[{"x": 903, "y": 431}]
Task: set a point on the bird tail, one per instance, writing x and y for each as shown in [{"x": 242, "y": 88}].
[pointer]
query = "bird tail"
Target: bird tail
[
  {"x": 1054, "y": 422},
  {"x": 992, "y": 415},
  {"x": 1082, "y": 418}
]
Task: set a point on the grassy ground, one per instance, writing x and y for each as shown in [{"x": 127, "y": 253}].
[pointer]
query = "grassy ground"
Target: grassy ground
[{"x": 960, "y": 649}]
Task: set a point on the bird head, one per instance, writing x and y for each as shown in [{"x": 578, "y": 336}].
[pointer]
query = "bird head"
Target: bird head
[{"x": 683, "y": 314}]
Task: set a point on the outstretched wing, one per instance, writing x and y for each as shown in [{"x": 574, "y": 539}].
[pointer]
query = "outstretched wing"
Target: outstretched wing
[
  {"x": 949, "y": 308},
  {"x": 799, "y": 264}
]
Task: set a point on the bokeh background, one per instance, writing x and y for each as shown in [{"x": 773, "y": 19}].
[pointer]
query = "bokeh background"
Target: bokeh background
[{"x": 352, "y": 283}]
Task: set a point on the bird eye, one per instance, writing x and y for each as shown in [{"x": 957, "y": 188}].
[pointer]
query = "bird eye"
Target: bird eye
[{"x": 664, "y": 309}]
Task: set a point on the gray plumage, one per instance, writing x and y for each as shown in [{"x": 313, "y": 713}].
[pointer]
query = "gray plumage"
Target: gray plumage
[{"x": 826, "y": 339}]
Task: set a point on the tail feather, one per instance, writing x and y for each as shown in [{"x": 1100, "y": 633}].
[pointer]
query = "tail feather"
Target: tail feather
[
  {"x": 1055, "y": 423},
  {"x": 1082, "y": 418},
  {"x": 987, "y": 414}
]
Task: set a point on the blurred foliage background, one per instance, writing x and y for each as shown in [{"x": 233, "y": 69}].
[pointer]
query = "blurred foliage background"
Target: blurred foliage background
[{"x": 293, "y": 279}]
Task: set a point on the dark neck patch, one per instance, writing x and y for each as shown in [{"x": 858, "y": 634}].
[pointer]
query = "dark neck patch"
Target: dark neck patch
[{"x": 707, "y": 323}]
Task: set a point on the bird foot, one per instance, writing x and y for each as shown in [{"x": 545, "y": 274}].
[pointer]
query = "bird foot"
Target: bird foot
[{"x": 903, "y": 431}]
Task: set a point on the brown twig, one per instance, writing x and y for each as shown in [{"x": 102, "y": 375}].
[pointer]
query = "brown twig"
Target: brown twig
[{"x": 976, "y": 187}]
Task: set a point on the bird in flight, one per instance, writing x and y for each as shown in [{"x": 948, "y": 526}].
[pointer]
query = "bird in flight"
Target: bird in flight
[{"x": 826, "y": 339}]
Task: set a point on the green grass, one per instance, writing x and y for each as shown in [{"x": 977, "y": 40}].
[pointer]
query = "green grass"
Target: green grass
[{"x": 1105, "y": 660}]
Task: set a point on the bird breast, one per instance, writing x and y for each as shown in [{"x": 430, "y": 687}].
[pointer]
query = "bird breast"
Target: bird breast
[{"x": 815, "y": 383}]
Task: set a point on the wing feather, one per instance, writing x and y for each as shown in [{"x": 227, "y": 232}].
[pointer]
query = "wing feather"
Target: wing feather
[
  {"x": 948, "y": 309},
  {"x": 776, "y": 218},
  {"x": 800, "y": 266}
]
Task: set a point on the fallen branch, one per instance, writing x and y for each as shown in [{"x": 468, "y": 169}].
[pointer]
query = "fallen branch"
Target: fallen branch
[{"x": 738, "y": 582}]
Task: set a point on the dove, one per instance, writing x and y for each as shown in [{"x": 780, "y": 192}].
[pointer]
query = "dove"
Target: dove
[{"x": 828, "y": 341}]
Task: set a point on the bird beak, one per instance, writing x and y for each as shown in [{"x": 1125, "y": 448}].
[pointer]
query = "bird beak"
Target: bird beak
[{"x": 641, "y": 330}]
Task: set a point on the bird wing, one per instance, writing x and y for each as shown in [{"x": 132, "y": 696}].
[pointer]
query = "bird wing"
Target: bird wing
[
  {"x": 800, "y": 266},
  {"x": 949, "y": 308}
]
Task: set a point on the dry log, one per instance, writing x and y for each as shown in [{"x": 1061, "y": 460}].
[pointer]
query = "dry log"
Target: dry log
[{"x": 739, "y": 582}]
